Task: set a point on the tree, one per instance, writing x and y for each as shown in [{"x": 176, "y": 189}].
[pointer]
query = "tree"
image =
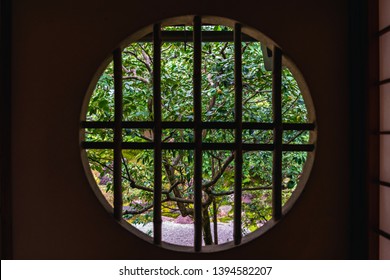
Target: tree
[{"x": 217, "y": 105}]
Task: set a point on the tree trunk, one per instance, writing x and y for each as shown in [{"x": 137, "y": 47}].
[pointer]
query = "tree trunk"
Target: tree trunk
[
  {"x": 207, "y": 237},
  {"x": 215, "y": 210},
  {"x": 176, "y": 191}
]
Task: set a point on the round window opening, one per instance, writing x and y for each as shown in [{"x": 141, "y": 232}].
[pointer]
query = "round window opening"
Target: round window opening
[{"x": 198, "y": 132}]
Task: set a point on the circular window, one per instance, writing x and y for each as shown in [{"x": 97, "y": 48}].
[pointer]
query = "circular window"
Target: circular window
[{"x": 198, "y": 132}]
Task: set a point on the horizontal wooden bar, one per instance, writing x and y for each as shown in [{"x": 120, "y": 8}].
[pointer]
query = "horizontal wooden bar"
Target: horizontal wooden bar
[
  {"x": 205, "y": 146},
  {"x": 218, "y": 146},
  {"x": 298, "y": 126},
  {"x": 97, "y": 145},
  {"x": 297, "y": 147},
  {"x": 187, "y": 36},
  {"x": 259, "y": 126},
  {"x": 385, "y": 184},
  {"x": 384, "y": 132},
  {"x": 110, "y": 124},
  {"x": 138, "y": 145},
  {"x": 94, "y": 124},
  {"x": 181, "y": 125},
  {"x": 110, "y": 145},
  {"x": 257, "y": 147},
  {"x": 178, "y": 146},
  {"x": 386, "y": 81},
  {"x": 205, "y": 125},
  {"x": 137, "y": 124},
  {"x": 384, "y": 30},
  {"x": 218, "y": 125},
  {"x": 384, "y": 234}
]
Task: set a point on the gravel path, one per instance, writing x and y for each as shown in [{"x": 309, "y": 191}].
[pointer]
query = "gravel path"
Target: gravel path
[{"x": 183, "y": 234}]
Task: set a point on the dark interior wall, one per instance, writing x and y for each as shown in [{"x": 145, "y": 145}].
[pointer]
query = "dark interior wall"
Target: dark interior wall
[{"x": 57, "y": 47}]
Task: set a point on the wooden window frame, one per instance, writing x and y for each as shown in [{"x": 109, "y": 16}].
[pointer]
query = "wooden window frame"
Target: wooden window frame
[{"x": 198, "y": 125}]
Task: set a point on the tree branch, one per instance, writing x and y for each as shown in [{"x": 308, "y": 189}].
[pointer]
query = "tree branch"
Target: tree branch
[
  {"x": 179, "y": 199},
  {"x": 253, "y": 95},
  {"x": 135, "y": 77},
  {"x": 222, "y": 51},
  {"x": 136, "y": 212},
  {"x": 244, "y": 189},
  {"x": 140, "y": 60},
  {"x": 132, "y": 182},
  {"x": 296, "y": 136},
  {"x": 171, "y": 188},
  {"x": 291, "y": 105},
  {"x": 219, "y": 173},
  {"x": 146, "y": 55}
]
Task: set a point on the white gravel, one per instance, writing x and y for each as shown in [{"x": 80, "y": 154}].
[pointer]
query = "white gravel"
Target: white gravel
[{"x": 183, "y": 234}]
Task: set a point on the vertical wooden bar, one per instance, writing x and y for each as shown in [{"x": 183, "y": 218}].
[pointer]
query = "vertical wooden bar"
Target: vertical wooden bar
[
  {"x": 197, "y": 83},
  {"x": 278, "y": 134},
  {"x": 157, "y": 133},
  {"x": 6, "y": 245},
  {"x": 118, "y": 203},
  {"x": 364, "y": 146},
  {"x": 238, "y": 134}
]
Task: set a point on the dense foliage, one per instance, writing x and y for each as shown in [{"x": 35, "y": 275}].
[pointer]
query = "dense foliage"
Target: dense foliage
[{"x": 177, "y": 105}]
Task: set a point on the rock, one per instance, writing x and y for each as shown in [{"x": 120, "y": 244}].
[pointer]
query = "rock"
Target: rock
[
  {"x": 104, "y": 180},
  {"x": 184, "y": 220},
  {"x": 224, "y": 210},
  {"x": 247, "y": 198}
]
